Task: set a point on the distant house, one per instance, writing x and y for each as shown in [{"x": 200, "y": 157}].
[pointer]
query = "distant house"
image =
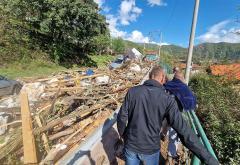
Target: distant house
[
  {"x": 151, "y": 55},
  {"x": 229, "y": 70},
  {"x": 134, "y": 54},
  {"x": 151, "y": 52},
  {"x": 195, "y": 68}
]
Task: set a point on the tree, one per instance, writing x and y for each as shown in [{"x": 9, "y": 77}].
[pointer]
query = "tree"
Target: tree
[
  {"x": 101, "y": 44},
  {"x": 118, "y": 45},
  {"x": 62, "y": 27}
]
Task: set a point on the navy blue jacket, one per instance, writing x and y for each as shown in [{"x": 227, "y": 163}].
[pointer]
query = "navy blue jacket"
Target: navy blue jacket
[
  {"x": 140, "y": 119},
  {"x": 182, "y": 92}
]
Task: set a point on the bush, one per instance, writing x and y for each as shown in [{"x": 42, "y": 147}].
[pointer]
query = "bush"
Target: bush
[
  {"x": 219, "y": 111},
  {"x": 102, "y": 60},
  {"x": 118, "y": 45}
]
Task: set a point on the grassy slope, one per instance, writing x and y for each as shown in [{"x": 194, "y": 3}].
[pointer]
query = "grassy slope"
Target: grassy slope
[
  {"x": 33, "y": 69},
  {"x": 42, "y": 68}
]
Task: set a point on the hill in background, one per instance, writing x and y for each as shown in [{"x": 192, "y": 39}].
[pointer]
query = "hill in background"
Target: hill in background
[
  {"x": 218, "y": 51},
  {"x": 206, "y": 51}
]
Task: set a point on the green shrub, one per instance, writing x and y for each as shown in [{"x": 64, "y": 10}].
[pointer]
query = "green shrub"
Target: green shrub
[
  {"x": 219, "y": 111},
  {"x": 102, "y": 60}
]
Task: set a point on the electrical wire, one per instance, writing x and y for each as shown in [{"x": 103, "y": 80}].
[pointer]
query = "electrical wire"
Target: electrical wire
[{"x": 170, "y": 16}]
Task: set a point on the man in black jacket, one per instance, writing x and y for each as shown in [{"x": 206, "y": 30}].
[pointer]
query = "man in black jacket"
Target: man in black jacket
[{"x": 140, "y": 118}]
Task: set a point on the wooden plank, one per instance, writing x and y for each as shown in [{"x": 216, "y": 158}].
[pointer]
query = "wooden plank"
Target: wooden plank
[
  {"x": 29, "y": 148},
  {"x": 64, "y": 89},
  {"x": 83, "y": 77},
  {"x": 14, "y": 122},
  {"x": 61, "y": 134},
  {"x": 10, "y": 110},
  {"x": 54, "y": 101},
  {"x": 44, "y": 136},
  {"x": 44, "y": 108}
]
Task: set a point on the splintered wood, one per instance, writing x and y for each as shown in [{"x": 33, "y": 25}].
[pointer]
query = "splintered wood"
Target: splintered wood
[{"x": 73, "y": 107}]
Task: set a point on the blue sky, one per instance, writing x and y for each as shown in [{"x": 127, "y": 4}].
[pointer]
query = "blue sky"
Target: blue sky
[{"x": 142, "y": 20}]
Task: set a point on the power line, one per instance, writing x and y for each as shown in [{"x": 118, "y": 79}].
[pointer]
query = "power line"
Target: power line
[
  {"x": 171, "y": 15},
  {"x": 237, "y": 19}
]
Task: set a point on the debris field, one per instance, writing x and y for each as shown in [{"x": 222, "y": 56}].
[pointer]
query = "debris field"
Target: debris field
[{"x": 59, "y": 111}]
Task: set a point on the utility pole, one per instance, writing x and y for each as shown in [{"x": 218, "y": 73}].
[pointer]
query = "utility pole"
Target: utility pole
[{"x": 191, "y": 42}]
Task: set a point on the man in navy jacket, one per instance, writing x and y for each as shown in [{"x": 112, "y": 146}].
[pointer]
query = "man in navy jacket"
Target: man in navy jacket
[
  {"x": 186, "y": 101},
  {"x": 140, "y": 119}
]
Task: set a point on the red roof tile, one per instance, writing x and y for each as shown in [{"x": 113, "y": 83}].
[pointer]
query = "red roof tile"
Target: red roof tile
[{"x": 151, "y": 52}]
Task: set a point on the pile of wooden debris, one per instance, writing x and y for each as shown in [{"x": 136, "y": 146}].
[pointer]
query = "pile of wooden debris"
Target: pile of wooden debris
[{"x": 68, "y": 107}]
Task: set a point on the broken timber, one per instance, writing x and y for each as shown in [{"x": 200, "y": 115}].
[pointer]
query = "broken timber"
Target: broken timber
[
  {"x": 94, "y": 142},
  {"x": 29, "y": 148},
  {"x": 67, "y": 106},
  {"x": 64, "y": 89},
  {"x": 77, "y": 113}
]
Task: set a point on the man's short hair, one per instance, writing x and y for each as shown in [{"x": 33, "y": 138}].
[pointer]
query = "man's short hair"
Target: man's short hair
[
  {"x": 156, "y": 70},
  {"x": 179, "y": 75},
  {"x": 176, "y": 69}
]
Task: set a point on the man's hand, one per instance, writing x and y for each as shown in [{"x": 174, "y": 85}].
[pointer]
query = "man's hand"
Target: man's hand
[{"x": 118, "y": 147}]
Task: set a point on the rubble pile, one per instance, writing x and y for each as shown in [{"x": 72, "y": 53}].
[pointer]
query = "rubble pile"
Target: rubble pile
[{"x": 65, "y": 108}]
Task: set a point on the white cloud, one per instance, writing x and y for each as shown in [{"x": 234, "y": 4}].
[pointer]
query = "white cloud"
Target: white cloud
[
  {"x": 137, "y": 36},
  {"x": 157, "y": 43},
  {"x": 128, "y": 12},
  {"x": 237, "y": 31},
  {"x": 165, "y": 43},
  {"x": 99, "y": 2},
  {"x": 113, "y": 23},
  {"x": 221, "y": 32},
  {"x": 106, "y": 9},
  {"x": 157, "y": 3},
  {"x": 134, "y": 36}
]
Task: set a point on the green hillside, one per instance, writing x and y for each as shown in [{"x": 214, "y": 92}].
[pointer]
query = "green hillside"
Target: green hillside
[
  {"x": 218, "y": 51},
  {"x": 175, "y": 50},
  {"x": 206, "y": 51}
]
